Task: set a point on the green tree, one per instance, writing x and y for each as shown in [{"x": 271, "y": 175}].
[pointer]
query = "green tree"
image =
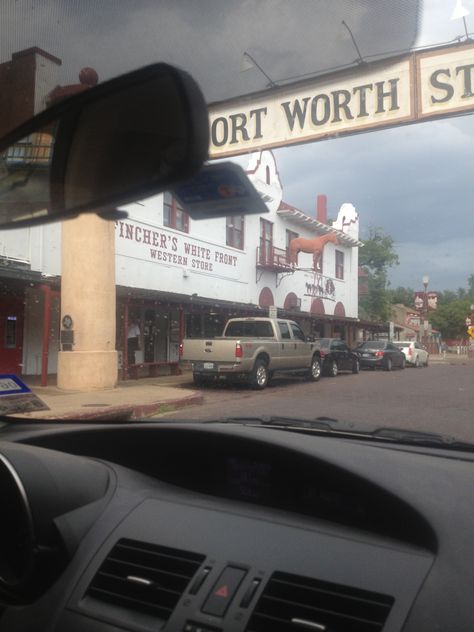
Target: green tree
[
  {"x": 450, "y": 318},
  {"x": 446, "y": 297},
  {"x": 470, "y": 286},
  {"x": 403, "y": 295},
  {"x": 376, "y": 256}
]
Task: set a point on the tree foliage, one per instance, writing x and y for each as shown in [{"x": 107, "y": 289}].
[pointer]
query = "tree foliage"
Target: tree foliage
[
  {"x": 376, "y": 256},
  {"x": 401, "y": 295},
  {"x": 450, "y": 318}
]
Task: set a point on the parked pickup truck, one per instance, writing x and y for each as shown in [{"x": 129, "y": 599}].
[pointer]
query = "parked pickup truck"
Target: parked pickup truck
[{"x": 253, "y": 349}]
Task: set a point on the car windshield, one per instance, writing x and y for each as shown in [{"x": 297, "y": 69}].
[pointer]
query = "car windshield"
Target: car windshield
[
  {"x": 402, "y": 345},
  {"x": 352, "y": 120},
  {"x": 325, "y": 343},
  {"x": 373, "y": 344}
]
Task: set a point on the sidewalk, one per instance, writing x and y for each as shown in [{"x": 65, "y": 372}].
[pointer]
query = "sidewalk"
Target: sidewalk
[
  {"x": 129, "y": 401},
  {"x": 450, "y": 358}
]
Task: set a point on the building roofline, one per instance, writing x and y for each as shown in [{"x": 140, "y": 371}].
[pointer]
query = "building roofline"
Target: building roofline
[
  {"x": 290, "y": 212},
  {"x": 38, "y": 51}
]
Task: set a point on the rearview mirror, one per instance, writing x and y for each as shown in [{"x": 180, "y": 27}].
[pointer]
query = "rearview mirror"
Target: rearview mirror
[{"x": 123, "y": 140}]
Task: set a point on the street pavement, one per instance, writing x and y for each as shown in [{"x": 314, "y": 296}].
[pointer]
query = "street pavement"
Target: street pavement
[
  {"x": 434, "y": 399},
  {"x": 438, "y": 399}
]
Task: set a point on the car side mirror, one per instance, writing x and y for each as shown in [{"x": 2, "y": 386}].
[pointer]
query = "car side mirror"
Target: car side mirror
[{"x": 120, "y": 141}]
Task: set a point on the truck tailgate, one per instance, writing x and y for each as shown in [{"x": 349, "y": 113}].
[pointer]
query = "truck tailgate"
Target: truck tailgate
[{"x": 211, "y": 350}]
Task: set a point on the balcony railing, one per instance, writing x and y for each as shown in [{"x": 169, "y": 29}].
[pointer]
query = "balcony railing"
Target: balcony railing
[{"x": 272, "y": 258}]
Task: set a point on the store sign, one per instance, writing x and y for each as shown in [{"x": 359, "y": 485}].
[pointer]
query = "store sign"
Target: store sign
[
  {"x": 412, "y": 319},
  {"x": 429, "y": 84},
  {"x": 320, "y": 287},
  {"x": 173, "y": 249},
  {"x": 431, "y": 299}
]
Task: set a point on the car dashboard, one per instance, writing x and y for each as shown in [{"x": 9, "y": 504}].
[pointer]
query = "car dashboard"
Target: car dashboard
[{"x": 219, "y": 527}]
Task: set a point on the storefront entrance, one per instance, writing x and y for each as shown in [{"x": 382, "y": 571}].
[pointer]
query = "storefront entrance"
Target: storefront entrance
[
  {"x": 148, "y": 337},
  {"x": 11, "y": 335}
]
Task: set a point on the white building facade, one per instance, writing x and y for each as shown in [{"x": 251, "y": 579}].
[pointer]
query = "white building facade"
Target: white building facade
[{"x": 177, "y": 277}]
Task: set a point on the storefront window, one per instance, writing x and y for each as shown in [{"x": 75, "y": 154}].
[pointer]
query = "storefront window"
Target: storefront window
[
  {"x": 289, "y": 236},
  {"x": 173, "y": 215},
  {"x": 204, "y": 325},
  {"x": 10, "y": 332},
  {"x": 339, "y": 264},
  {"x": 213, "y": 325},
  {"x": 266, "y": 241},
  {"x": 235, "y": 231}
]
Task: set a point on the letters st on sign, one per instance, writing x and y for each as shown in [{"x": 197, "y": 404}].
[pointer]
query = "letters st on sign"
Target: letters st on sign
[{"x": 431, "y": 84}]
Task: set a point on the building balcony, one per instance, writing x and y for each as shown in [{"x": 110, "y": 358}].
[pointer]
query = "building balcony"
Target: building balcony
[{"x": 273, "y": 259}]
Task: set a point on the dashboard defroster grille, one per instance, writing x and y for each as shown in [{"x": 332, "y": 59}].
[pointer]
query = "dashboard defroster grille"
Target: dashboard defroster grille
[
  {"x": 144, "y": 577},
  {"x": 291, "y": 602}
]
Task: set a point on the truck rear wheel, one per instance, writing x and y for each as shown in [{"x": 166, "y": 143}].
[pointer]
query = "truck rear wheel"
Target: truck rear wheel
[
  {"x": 314, "y": 373},
  {"x": 259, "y": 376}
]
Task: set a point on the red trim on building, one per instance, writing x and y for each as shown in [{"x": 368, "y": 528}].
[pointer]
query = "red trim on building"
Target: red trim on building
[
  {"x": 46, "y": 290},
  {"x": 317, "y": 306},
  {"x": 291, "y": 301},
  {"x": 339, "y": 310},
  {"x": 266, "y": 298}
]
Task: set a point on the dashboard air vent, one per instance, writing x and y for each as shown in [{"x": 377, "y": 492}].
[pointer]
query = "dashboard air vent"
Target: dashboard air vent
[
  {"x": 292, "y": 603},
  {"x": 144, "y": 577}
]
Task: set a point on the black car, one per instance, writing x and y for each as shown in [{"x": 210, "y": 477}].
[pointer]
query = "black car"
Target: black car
[
  {"x": 380, "y": 353},
  {"x": 336, "y": 356}
]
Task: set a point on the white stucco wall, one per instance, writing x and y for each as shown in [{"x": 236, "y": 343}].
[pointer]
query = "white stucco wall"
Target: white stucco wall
[
  {"x": 39, "y": 247},
  {"x": 151, "y": 256},
  {"x": 219, "y": 272}
]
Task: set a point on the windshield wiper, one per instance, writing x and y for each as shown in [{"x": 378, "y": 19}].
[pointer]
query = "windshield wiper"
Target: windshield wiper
[
  {"x": 432, "y": 439},
  {"x": 319, "y": 423},
  {"x": 323, "y": 425}
]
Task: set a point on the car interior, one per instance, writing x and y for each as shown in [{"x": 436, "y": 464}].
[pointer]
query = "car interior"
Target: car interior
[{"x": 225, "y": 526}]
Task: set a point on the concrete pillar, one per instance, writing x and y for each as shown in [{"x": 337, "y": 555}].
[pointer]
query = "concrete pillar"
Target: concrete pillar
[{"x": 88, "y": 296}]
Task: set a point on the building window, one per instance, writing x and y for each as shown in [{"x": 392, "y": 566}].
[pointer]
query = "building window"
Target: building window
[
  {"x": 266, "y": 241},
  {"x": 339, "y": 264},
  {"x": 235, "y": 231},
  {"x": 10, "y": 332},
  {"x": 173, "y": 215},
  {"x": 289, "y": 236}
]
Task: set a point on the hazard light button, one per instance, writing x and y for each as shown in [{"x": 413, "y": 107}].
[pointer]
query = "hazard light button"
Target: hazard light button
[{"x": 223, "y": 591}]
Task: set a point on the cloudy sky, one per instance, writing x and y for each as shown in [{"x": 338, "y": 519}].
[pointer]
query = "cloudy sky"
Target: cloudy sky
[{"x": 414, "y": 182}]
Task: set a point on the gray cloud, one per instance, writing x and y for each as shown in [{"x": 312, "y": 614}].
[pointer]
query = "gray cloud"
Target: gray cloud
[{"x": 415, "y": 182}]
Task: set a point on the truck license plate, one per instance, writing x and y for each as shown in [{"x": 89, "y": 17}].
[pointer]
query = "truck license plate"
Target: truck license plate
[{"x": 208, "y": 365}]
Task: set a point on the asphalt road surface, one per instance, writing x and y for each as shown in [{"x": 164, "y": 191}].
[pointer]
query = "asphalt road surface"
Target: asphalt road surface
[{"x": 439, "y": 398}]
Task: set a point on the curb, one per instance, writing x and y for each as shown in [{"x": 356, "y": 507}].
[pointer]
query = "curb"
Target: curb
[{"x": 129, "y": 412}]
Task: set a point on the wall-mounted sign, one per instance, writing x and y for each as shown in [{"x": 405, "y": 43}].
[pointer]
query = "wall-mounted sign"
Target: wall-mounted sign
[
  {"x": 273, "y": 311},
  {"x": 172, "y": 248},
  {"x": 67, "y": 322},
  {"x": 434, "y": 83},
  {"x": 431, "y": 300}
]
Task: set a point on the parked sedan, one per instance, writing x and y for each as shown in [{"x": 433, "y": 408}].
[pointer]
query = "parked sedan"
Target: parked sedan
[
  {"x": 380, "y": 353},
  {"x": 336, "y": 356},
  {"x": 415, "y": 355}
]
